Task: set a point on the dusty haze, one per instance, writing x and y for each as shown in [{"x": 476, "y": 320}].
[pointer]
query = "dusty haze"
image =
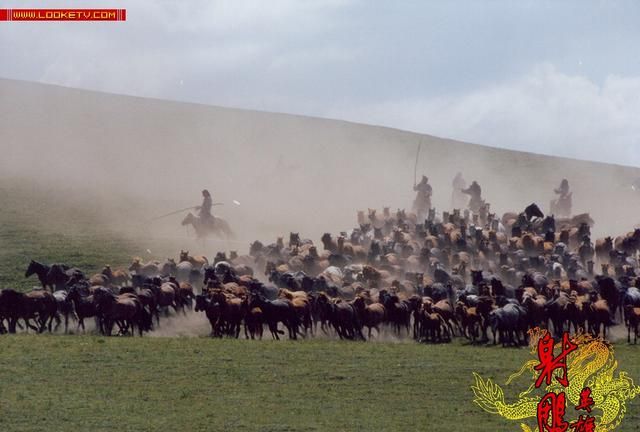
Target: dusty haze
[{"x": 136, "y": 158}]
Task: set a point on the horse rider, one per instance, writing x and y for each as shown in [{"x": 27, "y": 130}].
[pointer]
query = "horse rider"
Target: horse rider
[
  {"x": 458, "y": 199},
  {"x": 422, "y": 203},
  {"x": 475, "y": 191},
  {"x": 563, "y": 203},
  {"x": 205, "y": 209},
  {"x": 563, "y": 190}
]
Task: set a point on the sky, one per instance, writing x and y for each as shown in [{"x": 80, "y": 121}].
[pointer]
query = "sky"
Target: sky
[{"x": 551, "y": 77}]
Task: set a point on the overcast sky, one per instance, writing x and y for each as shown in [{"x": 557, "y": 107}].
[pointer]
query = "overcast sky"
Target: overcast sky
[{"x": 550, "y": 77}]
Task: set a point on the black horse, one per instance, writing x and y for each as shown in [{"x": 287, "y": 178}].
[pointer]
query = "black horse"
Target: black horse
[
  {"x": 41, "y": 270},
  {"x": 276, "y": 311},
  {"x": 54, "y": 277},
  {"x": 533, "y": 211}
]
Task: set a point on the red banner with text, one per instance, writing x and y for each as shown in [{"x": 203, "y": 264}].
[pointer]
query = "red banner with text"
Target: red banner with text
[{"x": 63, "y": 14}]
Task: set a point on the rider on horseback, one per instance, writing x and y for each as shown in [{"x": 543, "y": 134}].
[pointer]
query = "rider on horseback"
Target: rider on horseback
[
  {"x": 562, "y": 205},
  {"x": 422, "y": 203},
  {"x": 563, "y": 190},
  {"x": 475, "y": 203},
  {"x": 205, "y": 209}
]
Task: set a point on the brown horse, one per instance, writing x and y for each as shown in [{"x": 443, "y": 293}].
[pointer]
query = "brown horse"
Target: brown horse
[
  {"x": 149, "y": 269},
  {"x": 232, "y": 311},
  {"x": 372, "y": 315},
  {"x": 219, "y": 228},
  {"x": 253, "y": 321},
  {"x": 197, "y": 261},
  {"x": 634, "y": 322},
  {"x": 117, "y": 276},
  {"x": 603, "y": 247}
]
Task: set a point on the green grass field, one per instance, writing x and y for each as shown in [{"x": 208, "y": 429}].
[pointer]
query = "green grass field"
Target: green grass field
[
  {"x": 39, "y": 224},
  {"x": 92, "y": 383},
  {"x": 68, "y": 383}
]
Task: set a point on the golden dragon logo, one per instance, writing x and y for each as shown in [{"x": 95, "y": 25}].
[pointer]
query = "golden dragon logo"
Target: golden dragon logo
[{"x": 591, "y": 365}]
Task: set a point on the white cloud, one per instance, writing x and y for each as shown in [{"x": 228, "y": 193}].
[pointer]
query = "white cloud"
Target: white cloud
[
  {"x": 348, "y": 59},
  {"x": 210, "y": 43},
  {"x": 545, "y": 111},
  {"x": 233, "y": 15}
]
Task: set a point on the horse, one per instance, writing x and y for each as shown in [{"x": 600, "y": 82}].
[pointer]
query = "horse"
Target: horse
[
  {"x": 533, "y": 211},
  {"x": 116, "y": 277},
  {"x": 39, "y": 269},
  {"x": 219, "y": 227},
  {"x": 275, "y": 311},
  {"x": 53, "y": 276},
  {"x": 198, "y": 261},
  {"x": 213, "y": 312},
  {"x": 65, "y": 308},
  {"x": 39, "y": 305},
  {"x": 124, "y": 310},
  {"x": 83, "y": 305}
]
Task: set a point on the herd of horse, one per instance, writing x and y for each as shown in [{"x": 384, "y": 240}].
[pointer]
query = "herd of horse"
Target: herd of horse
[{"x": 482, "y": 277}]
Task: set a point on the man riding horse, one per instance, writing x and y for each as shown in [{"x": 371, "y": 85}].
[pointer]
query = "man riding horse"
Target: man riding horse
[
  {"x": 422, "y": 203},
  {"x": 475, "y": 203},
  {"x": 562, "y": 205},
  {"x": 205, "y": 216},
  {"x": 204, "y": 222}
]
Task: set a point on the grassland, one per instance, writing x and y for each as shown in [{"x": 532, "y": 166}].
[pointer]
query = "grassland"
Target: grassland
[
  {"x": 156, "y": 384},
  {"x": 48, "y": 226},
  {"x": 91, "y": 383}
]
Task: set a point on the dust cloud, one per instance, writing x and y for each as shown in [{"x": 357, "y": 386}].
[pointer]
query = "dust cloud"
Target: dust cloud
[
  {"x": 189, "y": 324},
  {"x": 133, "y": 158}
]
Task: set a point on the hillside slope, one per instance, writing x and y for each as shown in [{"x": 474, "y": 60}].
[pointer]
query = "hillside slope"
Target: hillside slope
[{"x": 290, "y": 173}]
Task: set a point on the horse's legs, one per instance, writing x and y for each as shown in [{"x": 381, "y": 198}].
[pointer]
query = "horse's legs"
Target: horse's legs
[
  {"x": 28, "y": 325},
  {"x": 273, "y": 327},
  {"x": 246, "y": 331},
  {"x": 108, "y": 326},
  {"x": 123, "y": 327},
  {"x": 213, "y": 327},
  {"x": 51, "y": 322},
  {"x": 58, "y": 321},
  {"x": 293, "y": 333}
]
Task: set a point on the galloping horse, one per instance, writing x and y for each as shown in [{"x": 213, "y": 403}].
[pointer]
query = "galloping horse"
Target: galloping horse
[{"x": 219, "y": 227}]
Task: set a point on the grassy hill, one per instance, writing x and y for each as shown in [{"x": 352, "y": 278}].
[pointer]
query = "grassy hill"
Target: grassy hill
[{"x": 291, "y": 173}]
